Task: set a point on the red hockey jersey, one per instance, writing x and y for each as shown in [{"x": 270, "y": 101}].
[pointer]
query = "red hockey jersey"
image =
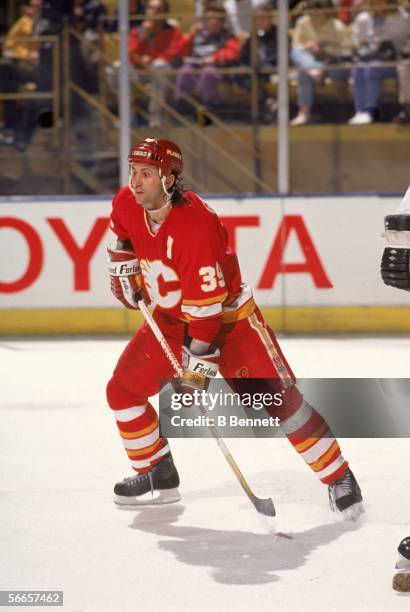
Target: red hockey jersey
[{"x": 188, "y": 269}]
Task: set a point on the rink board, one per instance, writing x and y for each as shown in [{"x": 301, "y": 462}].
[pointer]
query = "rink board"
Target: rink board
[{"x": 312, "y": 262}]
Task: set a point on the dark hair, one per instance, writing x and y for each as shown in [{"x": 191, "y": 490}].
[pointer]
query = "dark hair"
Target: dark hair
[
  {"x": 216, "y": 9},
  {"x": 177, "y": 196},
  {"x": 324, "y": 5},
  {"x": 165, "y": 6}
]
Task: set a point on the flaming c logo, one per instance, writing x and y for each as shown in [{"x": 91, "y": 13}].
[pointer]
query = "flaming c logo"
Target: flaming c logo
[{"x": 242, "y": 373}]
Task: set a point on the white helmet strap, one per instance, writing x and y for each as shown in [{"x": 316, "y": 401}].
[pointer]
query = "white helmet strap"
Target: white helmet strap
[{"x": 164, "y": 187}]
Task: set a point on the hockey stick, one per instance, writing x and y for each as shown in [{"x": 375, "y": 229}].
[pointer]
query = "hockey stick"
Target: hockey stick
[{"x": 263, "y": 506}]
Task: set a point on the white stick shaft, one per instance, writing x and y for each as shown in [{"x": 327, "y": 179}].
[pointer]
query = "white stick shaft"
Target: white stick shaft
[{"x": 160, "y": 337}]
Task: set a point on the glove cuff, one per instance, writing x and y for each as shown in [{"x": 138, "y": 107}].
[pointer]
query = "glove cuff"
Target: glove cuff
[
  {"x": 121, "y": 268},
  {"x": 199, "y": 368},
  {"x": 397, "y": 239}
]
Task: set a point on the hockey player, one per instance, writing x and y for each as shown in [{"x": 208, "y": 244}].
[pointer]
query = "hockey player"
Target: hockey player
[
  {"x": 172, "y": 250},
  {"x": 395, "y": 271}
]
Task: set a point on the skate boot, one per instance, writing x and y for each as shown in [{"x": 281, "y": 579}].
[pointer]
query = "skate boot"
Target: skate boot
[
  {"x": 345, "y": 496},
  {"x": 401, "y": 579},
  {"x": 158, "y": 486}
]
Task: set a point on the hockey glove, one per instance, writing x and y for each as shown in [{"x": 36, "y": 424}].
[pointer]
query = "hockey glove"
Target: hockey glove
[
  {"x": 125, "y": 277},
  {"x": 198, "y": 369},
  {"x": 395, "y": 264}
]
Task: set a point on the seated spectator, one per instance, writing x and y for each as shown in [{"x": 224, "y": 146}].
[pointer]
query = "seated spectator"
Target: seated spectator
[
  {"x": 265, "y": 56},
  {"x": 319, "y": 40},
  {"x": 348, "y": 9},
  {"x": 239, "y": 13},
  {"x": 208, "y": 46},
  {"x": 150, "y": 47},
  {"x": 21, "y": 67},
  {"x": 86, "y": 20},
  {"x": 379, "y": 38}
]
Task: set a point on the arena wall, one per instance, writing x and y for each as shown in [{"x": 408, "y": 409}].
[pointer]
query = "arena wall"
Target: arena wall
[{"x": 313, "y": 263}]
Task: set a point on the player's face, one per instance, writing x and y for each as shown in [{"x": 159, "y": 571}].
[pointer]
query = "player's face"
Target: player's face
[{"x": 147, "y": 186}]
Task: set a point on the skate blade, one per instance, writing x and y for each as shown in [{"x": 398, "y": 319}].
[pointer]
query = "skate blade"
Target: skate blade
[
  {"x": 401, "y": 582},
  {"x": 168, "y": 496}
]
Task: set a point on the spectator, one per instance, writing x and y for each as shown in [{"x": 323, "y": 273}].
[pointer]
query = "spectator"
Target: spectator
[
  {"x": 239, "y": 13},
  {"x": 87, "y": 15},
  {"x": 208, "y": 46},
  {"x": 150, "y": 46},
  {"x": 348, "y": 9},
  {"x": 266, "y": 56},
  {"x": 19, "y": 45},
  {"x": 379, "y": 37},
  {"x": 319, "y": 40},
  {"x": 86, "y": 19},
  {"x": 21, "y": 66}
]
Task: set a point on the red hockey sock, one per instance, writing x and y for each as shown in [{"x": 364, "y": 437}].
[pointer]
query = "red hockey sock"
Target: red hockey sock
[
  {"x": 138, "y": 425},
  {"x": 312, "y": 438}
]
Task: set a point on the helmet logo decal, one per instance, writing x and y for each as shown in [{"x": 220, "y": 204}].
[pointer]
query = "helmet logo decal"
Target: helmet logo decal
[{"x": 174, "y": 154}]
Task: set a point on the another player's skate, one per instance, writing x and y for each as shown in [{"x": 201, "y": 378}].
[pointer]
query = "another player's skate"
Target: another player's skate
[
  {"x": 345, "y": 496},
  {"x": 401, "y": 579},
  {"x": 158, "y": 486}
]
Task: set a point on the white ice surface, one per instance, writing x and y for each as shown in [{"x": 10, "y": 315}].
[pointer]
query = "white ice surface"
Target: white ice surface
[{"x": 60, "y": 455}]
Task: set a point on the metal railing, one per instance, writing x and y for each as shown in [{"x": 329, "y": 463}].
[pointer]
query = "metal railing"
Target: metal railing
[
  {"x": 99, "y": 104},
  {"x": 64, "y": 88}
]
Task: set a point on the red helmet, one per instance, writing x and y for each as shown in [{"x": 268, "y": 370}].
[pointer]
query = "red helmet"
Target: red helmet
[{"x": 164, "y": 154}]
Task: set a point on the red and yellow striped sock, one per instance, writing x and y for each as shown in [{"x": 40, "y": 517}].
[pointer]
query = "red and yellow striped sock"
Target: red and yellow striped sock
[
  {"x": 139, "y": 430},
  {"x": 313, "y": 440}
]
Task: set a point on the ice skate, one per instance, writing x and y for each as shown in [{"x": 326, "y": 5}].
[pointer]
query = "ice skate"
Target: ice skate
[
  {"x": 401, "y": 579},
  {"x": 345, "y": 497},
  {"x": 158, "y": 486}
]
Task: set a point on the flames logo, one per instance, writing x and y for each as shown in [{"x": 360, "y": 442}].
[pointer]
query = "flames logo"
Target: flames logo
[{"x": 242, "y": 373}]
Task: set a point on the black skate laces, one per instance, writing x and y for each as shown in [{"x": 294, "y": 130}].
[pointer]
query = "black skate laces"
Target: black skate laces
[{"x": 146, "y": 475}]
